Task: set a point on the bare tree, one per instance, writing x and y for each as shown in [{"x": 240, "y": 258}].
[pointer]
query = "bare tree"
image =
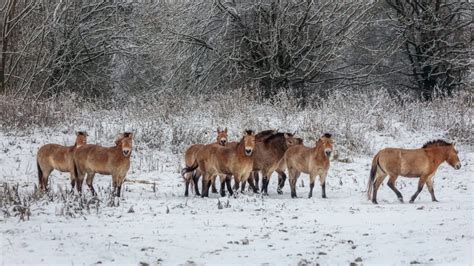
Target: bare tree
[
  {"x": 436, "y": 42},
  {"x": 268, "y": 43}
]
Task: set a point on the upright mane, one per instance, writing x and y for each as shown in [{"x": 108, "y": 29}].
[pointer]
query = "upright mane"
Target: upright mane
[
  {"x": 434, "y": 143},
  {"x": 279, "y": 135}
]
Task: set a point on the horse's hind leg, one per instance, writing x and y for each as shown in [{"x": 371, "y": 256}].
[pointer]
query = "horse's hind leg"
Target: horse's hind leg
[
  {"x": 252, "y": 186},
  {"x": 214, "y": 189},
  {"x": 378, "y": 181},
  {"x": 256, "y": 179},
  {"x": 223, "y": 183},
  {"x": 228, "y": 182},
  {"x": 90, "y": 181},
  {"x": 294, "y": 174},
  {"x": 196, "y": 176},
  {"x": 46, "y": 175},
  {"x": 429, "y": 184},
  {"x": 391, "y": 184},
  {"x": 205, "y": 185},
  {"x": 281, "y": 181}
]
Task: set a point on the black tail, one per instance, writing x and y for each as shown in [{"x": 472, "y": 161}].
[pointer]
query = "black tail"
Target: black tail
[
  {"x": 40, "y": 176},
  {"x": 189, "y": 169}
]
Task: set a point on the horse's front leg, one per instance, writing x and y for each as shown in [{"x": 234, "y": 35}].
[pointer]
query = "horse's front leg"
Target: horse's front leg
[
  {"x": 322, "y": 180},
  {"x": 421, "y": 183},
  {"x": 429, "y": 184}
]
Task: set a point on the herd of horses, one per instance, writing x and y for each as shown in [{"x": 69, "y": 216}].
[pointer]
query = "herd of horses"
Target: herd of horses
[{"x": 243, "y": 161}]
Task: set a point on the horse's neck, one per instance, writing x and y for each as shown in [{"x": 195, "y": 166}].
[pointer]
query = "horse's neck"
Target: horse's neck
[
  {"x": 439, "y": 154},
  {"x": 239, "y": 152},
  {"x": 318, "y": 152}
]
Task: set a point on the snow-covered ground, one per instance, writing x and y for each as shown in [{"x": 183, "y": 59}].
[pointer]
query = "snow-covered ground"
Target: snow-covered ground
[{"x": 157, "y": 224}]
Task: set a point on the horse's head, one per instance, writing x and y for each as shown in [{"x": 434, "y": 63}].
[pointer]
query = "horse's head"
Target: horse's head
[
  {"x": 453, "y": 158},
  {"x": 81, "y": 138},
  {"x": 292, "y": 140},
  {"x": 327, "y": 144},
  {"x": 249, "y": 142},
  {"x": 222, "y": 136},
  {"x": 124, "y": 142}
]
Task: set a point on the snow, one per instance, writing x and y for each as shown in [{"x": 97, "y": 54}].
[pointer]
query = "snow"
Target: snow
[{"x": 161, "y": 226}]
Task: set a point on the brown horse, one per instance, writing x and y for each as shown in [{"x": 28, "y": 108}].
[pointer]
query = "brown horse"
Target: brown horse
[
  {"x": 235, "y": 160},
  {"x": 91, "y": 159},
  {"x": 313, "y": 161},
  {"x": 268, "y": 154},
  {"x": 55, "y": 156},
  {"x": 190, "y": 157},
  {"x": 421, "y": 163}
]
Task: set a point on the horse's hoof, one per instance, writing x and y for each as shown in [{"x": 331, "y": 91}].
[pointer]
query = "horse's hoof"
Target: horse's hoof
[
  {"x": 324, "y": 197},
  {"x": 435, "y": 200},
  {"x": 374, "y": 202},
  {"x": 401, "y": 200},
  {"x": 411, "y": 201}
]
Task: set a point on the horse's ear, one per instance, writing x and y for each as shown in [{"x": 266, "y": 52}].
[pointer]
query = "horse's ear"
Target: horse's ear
[
  {"x": 218, "y": 130},
  {"x": 286, "y": 135},
  {"x": 128, "y": 135},
  {"x": 225, "y": 130},
  {"x": 294, "y": 133}
]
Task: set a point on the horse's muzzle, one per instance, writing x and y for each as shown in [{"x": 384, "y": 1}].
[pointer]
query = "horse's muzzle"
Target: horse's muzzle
[
  {"x": 126, "y": 153},
  {"x": 328, "y": 153},
  {"x": 223, "y": 142},
  {"x": 248, "y": 152},
  {"x": 457, "y": 166}
]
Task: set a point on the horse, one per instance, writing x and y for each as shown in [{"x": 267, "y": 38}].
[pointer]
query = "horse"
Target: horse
[
  {"x": 267, "y": 156},
  {"x": 55, "y": 156},
  {"x": 232, "y": 159},
  {"x": 310, "y": 160},
  {"x": 421, "y": 163},
  {"x": 189, "y": 158},
  {"x": 91, "y": 159}
]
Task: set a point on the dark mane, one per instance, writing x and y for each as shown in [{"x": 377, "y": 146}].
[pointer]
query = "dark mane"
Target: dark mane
[
  {"x": 82, "y": 133},
  {"x": 279, "y": 135},
  {"x": 127, "y": 134},
  {"x": 433, "y": 143},
  {"x": 327, "y": 135},
  {"x": 265, "y": 133}
]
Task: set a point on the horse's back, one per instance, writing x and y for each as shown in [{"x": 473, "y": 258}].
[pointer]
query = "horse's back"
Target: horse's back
[
  {"x": 55, "y": 156},
  {"x": 297, "y": 157},
  {"x": 404, "y": 162},
  {"x": 190, "y": 154}
]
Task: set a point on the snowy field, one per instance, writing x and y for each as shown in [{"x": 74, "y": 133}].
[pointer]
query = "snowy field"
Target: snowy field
[{"x": 155, "y": 224}]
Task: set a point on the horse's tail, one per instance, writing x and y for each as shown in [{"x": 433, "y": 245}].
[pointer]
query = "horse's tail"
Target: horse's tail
[
  {"x": 188, "y": 169},
  {"x": 373, "y": 172},
  {"x": 40, "y": 175}
]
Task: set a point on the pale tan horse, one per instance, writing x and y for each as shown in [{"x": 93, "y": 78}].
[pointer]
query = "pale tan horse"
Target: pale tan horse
[
  {"x": 55, "y": 156},
  {"x": 91, "y": 159},
  {"x": 190, "y": 157},
  {"x": 422, "y": 163},
  {"x": 310, "y": 160},
  {"x": 229, "y": 160}
]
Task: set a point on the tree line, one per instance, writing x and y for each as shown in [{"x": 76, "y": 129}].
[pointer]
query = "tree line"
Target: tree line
[{"x": 103, "y": 48}]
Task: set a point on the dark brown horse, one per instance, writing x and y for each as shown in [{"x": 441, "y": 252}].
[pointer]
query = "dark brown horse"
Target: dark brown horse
[
  {"x": 55, "y": 156},
  {"x": 269, "y": 151},
  {"x": 422, "y": 163},
  {"x": 229, "y": 160},
  {"x": 115, "y": 161}
]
